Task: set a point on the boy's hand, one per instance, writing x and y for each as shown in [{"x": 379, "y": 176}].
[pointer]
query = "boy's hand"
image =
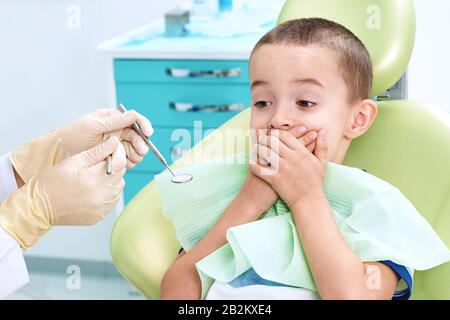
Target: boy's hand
[
  {"x": 257, "y": 194},
  {"x": 294, "y": 173}
]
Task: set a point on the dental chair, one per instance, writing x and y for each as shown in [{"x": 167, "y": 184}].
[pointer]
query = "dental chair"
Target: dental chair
[{"x": 408, "y": 145}]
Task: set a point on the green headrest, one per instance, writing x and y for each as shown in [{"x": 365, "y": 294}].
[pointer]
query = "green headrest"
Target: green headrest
[{"x": 386, "y": 27}]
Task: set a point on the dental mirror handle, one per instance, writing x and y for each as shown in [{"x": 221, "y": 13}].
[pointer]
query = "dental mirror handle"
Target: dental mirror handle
[{"x": 155, "y": 150}]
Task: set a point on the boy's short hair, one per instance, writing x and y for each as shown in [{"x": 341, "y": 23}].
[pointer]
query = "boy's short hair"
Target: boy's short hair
[{"x": 353, "y": 58}]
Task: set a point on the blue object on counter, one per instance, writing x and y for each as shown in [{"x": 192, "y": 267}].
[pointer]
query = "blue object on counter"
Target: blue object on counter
[{"x": 225, "y": 5}]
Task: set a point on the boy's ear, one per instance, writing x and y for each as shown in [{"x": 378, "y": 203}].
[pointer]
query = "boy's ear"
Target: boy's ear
[{"x": 361, "y": 118}]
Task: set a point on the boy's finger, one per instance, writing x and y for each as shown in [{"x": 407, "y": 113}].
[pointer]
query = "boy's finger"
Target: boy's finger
[
  {"x": 261, "y": 172},
  {"x": 274, "y": 143},
  {"x": 269, "y": 156},
  {"x": 311, "y": 146},
  {"x": 308, "y": 138},
  {"x": 303, "y": 135},
  {"x": 289, "y": 140},
  {"x": 255, "y": 157},
  {"x": 298, "y": 131},
  {"x": 321, "y": 147}
]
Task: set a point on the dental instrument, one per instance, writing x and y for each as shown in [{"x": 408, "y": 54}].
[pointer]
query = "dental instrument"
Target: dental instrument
[
  {"x": 182, "y": 178},
  {"x": 109, "y": 165}
]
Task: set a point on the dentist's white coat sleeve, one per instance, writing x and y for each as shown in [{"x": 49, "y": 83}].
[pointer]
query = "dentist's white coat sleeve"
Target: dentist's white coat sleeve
[{"x": 13, "y": 271}]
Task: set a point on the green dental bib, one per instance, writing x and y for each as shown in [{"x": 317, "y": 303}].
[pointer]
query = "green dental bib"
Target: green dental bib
[{"x": 375, "y": 218}]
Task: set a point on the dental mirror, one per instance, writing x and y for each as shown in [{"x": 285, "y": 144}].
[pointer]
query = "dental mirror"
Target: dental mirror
[{"x": 181, "y": 178}]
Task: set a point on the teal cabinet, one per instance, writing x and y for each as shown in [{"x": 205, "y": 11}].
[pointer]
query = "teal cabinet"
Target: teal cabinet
[
  {"x": 166, "y": 92},
  {"x": 158, "y": 102}
]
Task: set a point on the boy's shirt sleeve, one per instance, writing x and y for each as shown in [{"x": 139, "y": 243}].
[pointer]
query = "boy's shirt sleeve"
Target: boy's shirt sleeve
[
  {"x": 405, "y": 283},
  {"x": 403, "y": 291}
]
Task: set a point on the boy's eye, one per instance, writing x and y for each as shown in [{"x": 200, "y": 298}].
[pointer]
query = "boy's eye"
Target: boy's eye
[
  {"x": 306, "y": 104},
  {"x": 262, "y": 104}
]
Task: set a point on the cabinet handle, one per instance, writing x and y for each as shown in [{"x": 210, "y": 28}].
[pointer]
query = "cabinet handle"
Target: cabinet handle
[
  {"x": 189, "y": 107},
  {"x": 186, "y": 73}
]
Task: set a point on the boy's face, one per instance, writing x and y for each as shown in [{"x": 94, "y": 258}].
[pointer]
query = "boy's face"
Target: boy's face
[{"x": 300, "y": 85}]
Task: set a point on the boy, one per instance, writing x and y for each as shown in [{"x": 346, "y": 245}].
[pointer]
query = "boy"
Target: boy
[{"x": 310, "y": 85}]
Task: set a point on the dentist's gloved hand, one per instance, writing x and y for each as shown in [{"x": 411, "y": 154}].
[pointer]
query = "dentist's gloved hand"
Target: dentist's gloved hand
[
  {"x": 76, "y": 191},
  {"x": 80, "y": 135},
  {"x": 93, "y": 128}
]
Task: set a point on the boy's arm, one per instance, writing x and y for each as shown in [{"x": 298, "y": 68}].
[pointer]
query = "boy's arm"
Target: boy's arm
[
  {"x": 337, "y": 270},
  {"x": 181, "y": 281},
  {"x": 298, "y": 177}
]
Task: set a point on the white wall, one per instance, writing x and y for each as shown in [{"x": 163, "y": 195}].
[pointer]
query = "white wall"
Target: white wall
[
  {"x": 429, "y": 68},
  {"x": 50, "y": 75}
]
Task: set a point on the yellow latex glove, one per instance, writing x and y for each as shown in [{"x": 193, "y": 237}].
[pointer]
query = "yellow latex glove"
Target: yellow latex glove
[
  {"x": 77, "y": 191},
  {"x": 38, "y": 154},
  {"x": 93, "y": 128},
  {"x": 80, "y": 135}
]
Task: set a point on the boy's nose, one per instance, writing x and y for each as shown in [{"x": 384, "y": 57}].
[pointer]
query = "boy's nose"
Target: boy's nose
[{"x": 281, "y": 120}]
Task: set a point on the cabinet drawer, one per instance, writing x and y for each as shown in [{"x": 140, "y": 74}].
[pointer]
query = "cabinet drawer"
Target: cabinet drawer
[
  {"x": 156, "y": 102},
  {"x": 134, "y": 182},
  {"x": 172, "y": 143},
  {"x": 181, "y": 71}
]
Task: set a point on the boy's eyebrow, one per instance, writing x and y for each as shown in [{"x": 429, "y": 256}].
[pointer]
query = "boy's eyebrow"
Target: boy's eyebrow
[
  {"x": 310, "y": 81},
  {"x": 257, "y": 83},
  {"x": 313, "y": 81}
]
